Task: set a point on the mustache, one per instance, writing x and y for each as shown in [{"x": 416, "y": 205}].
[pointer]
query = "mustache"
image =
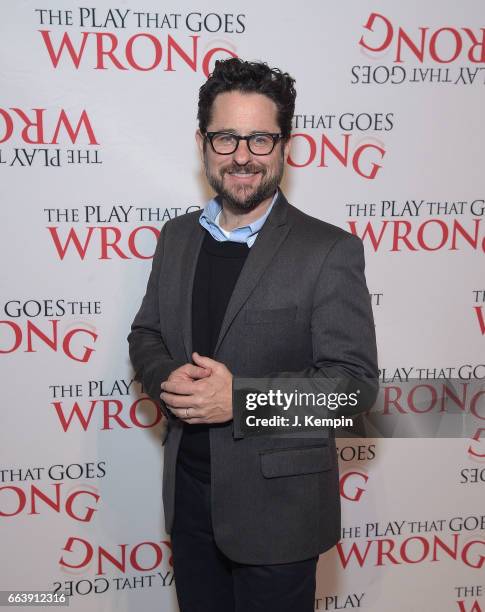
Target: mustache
[{"x": 247, "y": 169}]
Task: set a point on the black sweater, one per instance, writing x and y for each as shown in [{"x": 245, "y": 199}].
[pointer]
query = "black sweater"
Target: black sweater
[{"x": 218, "y": 269}]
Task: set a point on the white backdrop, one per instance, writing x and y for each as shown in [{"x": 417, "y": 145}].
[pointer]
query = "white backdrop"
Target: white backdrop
[{"x": 97, "y": 151}]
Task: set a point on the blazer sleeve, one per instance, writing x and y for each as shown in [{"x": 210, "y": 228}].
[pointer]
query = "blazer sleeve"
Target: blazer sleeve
[
  {"x": 342, "y": 323},
  {"x": 149, "y": 355},
  {"x": 344, "y": 351}
]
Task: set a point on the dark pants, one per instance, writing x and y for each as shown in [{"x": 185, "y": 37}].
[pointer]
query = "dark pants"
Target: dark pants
[{"x": 207, "y": 581}]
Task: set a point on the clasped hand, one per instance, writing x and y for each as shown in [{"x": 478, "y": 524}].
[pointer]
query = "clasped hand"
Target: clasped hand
[{"x": 200, "y": 393}]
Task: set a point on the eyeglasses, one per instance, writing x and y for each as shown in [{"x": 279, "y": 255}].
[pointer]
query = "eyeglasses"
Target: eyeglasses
[{"x": 226, "y": 143}]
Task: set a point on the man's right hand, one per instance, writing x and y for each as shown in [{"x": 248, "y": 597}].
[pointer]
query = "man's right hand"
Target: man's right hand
[{"x": 188, "y": 373}]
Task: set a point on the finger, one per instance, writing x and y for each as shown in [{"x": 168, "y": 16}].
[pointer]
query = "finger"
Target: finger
[
  {"x": 181, "y": 413},
  {"x": 179, "y": 387},
  {"x": 178, "y": 375},
  {"x": 177, "y": 401},
  {"x": 195, "y": 371},
  {"x": 194, "y": 421},
  {"x": 205, "y": 362}
]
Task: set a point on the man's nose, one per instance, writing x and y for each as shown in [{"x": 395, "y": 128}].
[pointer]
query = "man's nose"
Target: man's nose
[{"x": 242, "y": 154}]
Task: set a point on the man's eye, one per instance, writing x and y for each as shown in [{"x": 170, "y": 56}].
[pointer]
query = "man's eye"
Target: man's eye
[
  {"x": 225, "y": 138},
  {"x": 261, "y": 140}
]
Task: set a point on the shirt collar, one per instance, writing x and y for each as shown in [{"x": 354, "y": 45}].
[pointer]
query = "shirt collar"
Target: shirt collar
[{"x": 210, "y": 216}]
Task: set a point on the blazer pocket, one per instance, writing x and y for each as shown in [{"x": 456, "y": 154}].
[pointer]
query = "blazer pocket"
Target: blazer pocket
[
  {"x": 291, "y": 462},
  {"x": 272, "y": 315}
]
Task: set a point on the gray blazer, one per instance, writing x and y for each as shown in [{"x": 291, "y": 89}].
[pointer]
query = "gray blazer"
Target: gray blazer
[{"x": 300, "y": 308}]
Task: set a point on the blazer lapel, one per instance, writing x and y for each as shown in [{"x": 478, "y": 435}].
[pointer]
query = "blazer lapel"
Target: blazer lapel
[
  {"x": 187, "y": 269},
  {"x": 269, "y": 240}
]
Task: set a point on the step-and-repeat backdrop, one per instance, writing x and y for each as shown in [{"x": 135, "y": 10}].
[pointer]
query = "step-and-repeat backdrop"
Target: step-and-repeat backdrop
[{"x": 97, "y": 152}]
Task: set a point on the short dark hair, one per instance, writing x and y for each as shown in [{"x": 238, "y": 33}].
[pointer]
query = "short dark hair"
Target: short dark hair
[{"x": 234, "y": 74}]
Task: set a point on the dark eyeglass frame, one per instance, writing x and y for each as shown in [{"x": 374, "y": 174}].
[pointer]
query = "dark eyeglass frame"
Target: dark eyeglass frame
[{"x": 211, "y": 135}]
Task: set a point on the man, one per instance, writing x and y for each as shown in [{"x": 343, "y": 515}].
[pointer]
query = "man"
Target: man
[{"x": 251, "y": 287}]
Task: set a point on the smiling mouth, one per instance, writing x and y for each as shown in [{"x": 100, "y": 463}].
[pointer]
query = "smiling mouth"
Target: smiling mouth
[{"x": 243, "y": 174}]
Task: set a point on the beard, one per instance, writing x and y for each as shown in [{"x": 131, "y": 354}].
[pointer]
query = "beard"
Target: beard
[{"x": 244, "y": 198}]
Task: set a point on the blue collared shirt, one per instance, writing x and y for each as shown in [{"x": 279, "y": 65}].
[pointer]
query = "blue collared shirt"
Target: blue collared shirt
[{"x": 209, "y": 219}]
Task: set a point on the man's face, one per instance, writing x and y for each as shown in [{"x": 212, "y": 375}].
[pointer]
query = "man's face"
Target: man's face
[{"x": 244, "y": 180}]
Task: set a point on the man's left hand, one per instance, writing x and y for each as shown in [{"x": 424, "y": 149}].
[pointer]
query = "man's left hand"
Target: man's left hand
[{"x": 207, "y": 400}]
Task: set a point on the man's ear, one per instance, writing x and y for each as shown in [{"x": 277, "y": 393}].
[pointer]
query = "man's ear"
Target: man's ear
[
  {"x": 200, "y": 143},
  {"x": 286, "y": 149}
]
